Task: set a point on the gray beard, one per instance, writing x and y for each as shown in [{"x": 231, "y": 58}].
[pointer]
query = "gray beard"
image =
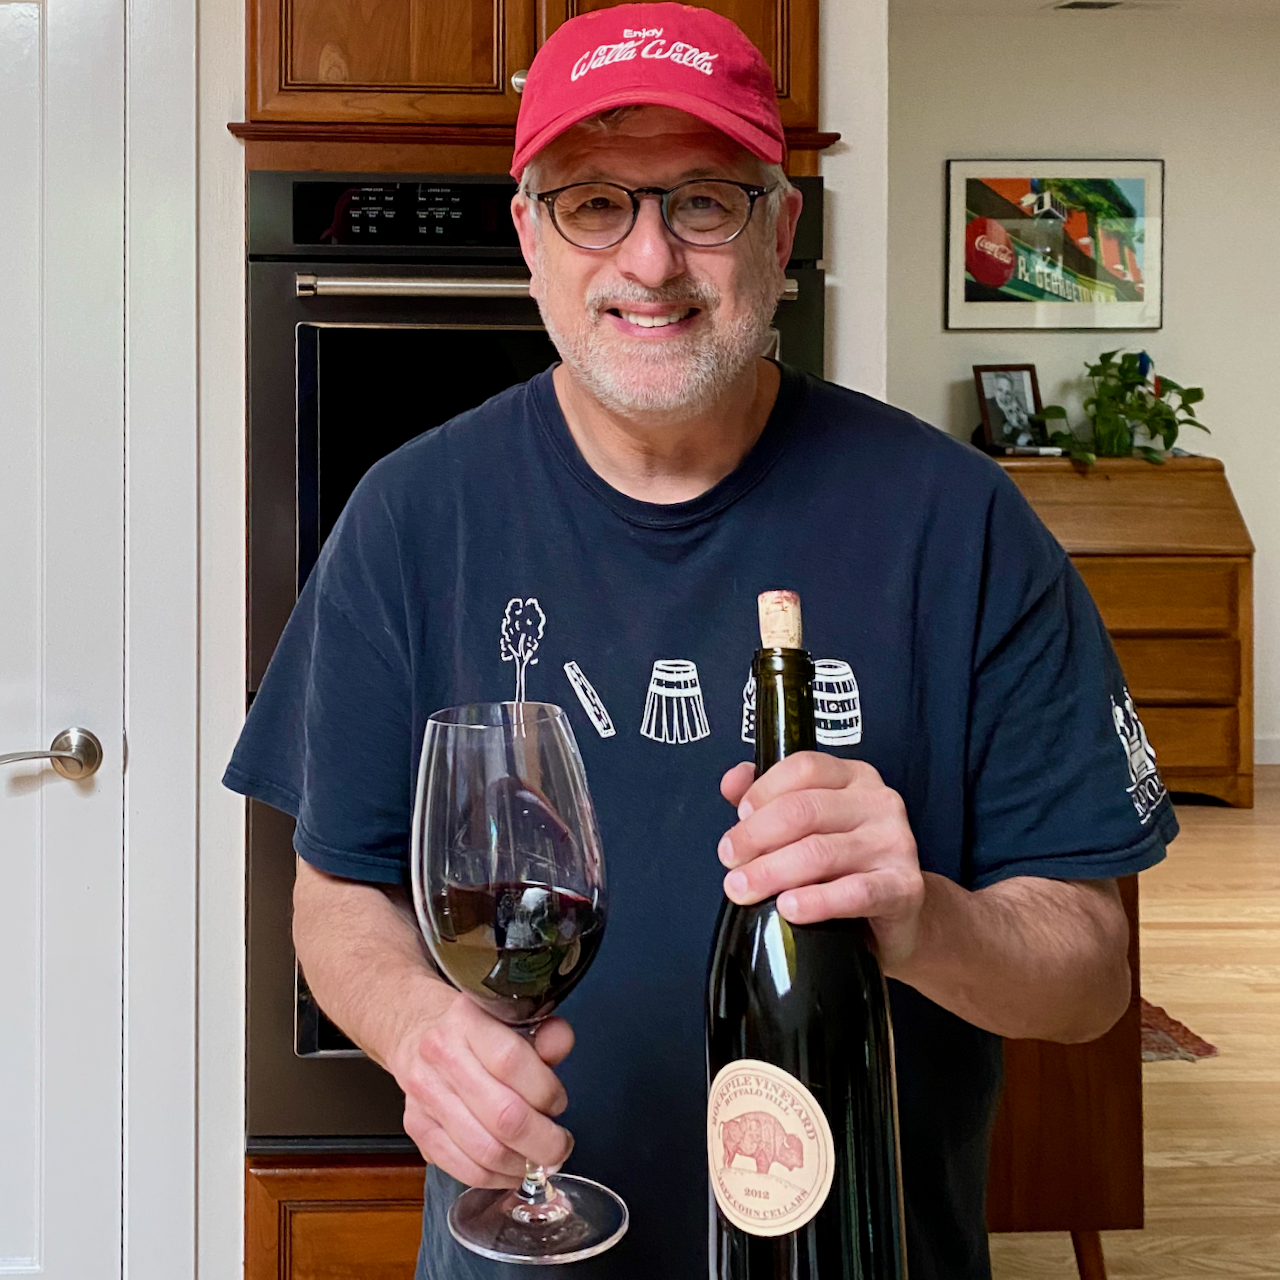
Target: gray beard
[{"x": 687, "y": 377}]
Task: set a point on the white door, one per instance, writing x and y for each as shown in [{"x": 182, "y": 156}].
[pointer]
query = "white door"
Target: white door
[{"x": 61, "y": 634}]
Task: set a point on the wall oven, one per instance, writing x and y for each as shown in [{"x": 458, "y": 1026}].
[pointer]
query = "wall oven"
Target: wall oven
[{"x": 379, "y": 307}]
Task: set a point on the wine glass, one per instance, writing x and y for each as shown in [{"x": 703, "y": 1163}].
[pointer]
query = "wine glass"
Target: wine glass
[{"x": 508, "y": 884}]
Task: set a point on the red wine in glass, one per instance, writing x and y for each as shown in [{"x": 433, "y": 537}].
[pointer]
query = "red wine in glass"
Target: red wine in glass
[
  {"x": 508, "y": 884},
  {"x": 517, "y": 949}
]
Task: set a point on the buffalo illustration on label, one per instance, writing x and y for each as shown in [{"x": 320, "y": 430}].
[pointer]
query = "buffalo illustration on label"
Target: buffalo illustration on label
[{"x": 761, "y": 1138}]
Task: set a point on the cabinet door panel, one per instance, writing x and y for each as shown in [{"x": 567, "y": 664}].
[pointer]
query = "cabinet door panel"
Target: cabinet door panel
[
  {"x": 785, "y": 31},
  {"x": 393, "y": 44},
  {"x": 1162, "y": 595},
  {"x": 1193, "y": 739},
  {"x": 388, "y": 61},
  {"x": 352, "y": 1242},
  {"x": 1174, "y": 670}
]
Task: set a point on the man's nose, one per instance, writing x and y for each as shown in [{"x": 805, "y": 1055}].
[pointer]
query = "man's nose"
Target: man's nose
[{"x": 650, "y": 255}]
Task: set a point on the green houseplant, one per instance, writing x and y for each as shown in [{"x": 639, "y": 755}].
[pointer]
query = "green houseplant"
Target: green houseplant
[{"x": 1128, "y": 400}]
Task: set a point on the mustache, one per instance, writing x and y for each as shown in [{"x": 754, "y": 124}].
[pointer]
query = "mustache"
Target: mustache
[{"x": 692, "y": 293}]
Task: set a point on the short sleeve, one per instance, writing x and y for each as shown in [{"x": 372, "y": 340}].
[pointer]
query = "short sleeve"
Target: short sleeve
[
  {"x": 329, "y": 736},
  {"x": 1062, "y": 781}
]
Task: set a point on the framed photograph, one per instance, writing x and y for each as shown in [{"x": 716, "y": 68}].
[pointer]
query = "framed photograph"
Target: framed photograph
[
  {"x": 1008, "y": 394},
  {"x": 1054, "y": 244}
]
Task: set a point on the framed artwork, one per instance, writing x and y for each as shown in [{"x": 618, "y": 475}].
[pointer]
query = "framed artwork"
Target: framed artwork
[
  {"x": 1008, "y": 394},
  {"x": 1054, "y": 244}
]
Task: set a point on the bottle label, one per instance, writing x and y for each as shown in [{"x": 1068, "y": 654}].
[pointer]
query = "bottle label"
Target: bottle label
[{"x": 769, "y": 1148}]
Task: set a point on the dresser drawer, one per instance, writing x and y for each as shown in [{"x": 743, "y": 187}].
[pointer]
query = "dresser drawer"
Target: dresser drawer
[
  {"x": 1165, "y": 595},
  {"x": 1178, "y": 670},
  {"x": 1193, "y": 739}
]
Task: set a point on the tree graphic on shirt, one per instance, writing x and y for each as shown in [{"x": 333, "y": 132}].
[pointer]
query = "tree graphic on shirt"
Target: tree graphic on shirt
[{"x": 522, "y": 626}]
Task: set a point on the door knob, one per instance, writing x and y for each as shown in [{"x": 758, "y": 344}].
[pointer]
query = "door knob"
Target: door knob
[
  {"x": 518, "y": 78},
  {"x": 74, "y": 753}
]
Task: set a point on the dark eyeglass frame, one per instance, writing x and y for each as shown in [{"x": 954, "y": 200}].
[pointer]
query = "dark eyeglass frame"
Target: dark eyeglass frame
[{"x": 664, "y": 195}]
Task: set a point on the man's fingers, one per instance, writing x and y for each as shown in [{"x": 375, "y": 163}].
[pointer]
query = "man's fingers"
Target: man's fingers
[
  {"x": 507, "y": 1056},
  {"x": 796, "y": 814},
  {"x": 814, "y": 859},
  {"x": 439, "y": 1149},
  {"x": 870, "y": 894},
  {"x": 479, "y": 1072},
  {"x": 803, "y": 771},
  {"x": 554, "y": 1042},
  {"x": 735, "y": 784},
  {"x": 474, "y": 1138}
]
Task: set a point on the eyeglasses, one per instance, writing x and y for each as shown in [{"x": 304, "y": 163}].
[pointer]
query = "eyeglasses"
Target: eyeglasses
[{"x": 703, "y": 211}]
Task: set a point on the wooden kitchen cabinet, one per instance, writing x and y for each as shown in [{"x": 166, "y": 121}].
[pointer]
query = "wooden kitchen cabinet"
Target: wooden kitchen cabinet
[
  {"x": 388, "y": 61},
  {"x": 332, "y": 1217},
  {"x": 405, "y": 74},
  {"x": 1166, "y": 555}
]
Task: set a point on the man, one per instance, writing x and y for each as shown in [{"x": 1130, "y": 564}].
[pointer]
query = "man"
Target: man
[
  {"x": 1011, "y": 417},
  {"x": 633, "y": 500}
]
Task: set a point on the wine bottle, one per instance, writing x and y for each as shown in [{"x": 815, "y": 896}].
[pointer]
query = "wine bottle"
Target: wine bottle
[{"x": 802, "y": 1141}]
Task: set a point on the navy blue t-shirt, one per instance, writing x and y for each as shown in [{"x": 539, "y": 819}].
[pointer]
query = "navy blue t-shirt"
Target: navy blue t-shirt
[{"x": 958, "y": 652}]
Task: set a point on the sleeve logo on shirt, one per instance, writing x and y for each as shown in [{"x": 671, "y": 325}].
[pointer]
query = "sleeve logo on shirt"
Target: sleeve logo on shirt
[
  {"x": 1146, "y": 790},
  {"x": 837, "y": 705}
]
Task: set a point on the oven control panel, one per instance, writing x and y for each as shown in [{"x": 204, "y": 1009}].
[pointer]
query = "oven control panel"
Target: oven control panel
[{"x": 422, "y": 214}]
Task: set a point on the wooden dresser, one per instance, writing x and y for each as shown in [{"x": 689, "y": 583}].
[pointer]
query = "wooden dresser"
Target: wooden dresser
[{"x": 1168, "y": 559}]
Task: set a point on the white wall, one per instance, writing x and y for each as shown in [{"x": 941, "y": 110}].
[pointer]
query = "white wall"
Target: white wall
[
  {"x": 1203, "y": 96},
  {"x": 855, "y": 104},
  {"x": 222, "y": 498}
]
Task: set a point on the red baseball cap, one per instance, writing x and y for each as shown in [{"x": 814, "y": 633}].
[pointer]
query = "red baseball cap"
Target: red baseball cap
[{"x": 661, "y": 55}]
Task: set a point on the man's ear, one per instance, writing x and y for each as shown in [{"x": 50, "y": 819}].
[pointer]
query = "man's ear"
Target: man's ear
[
  {"x": 522, "y": 215},
  {"x": 788, "y": 217}
]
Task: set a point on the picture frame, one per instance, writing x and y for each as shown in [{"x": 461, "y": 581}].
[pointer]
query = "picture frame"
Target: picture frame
[
  {"x": 1008, "y": 394},
  {"x": 1055, "y": 244}
]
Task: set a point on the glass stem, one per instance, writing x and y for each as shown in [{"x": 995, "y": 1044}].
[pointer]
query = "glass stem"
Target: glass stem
[{"x": 534, "y": 1189}]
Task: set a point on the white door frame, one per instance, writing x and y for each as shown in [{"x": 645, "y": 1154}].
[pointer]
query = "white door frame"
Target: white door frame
[{"x": 161, "y": 642}]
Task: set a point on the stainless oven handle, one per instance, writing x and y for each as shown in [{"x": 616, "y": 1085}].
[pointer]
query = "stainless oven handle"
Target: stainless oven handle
[
  {"x": 389, "y": 287},
  {"x": 310, "y": 286}
]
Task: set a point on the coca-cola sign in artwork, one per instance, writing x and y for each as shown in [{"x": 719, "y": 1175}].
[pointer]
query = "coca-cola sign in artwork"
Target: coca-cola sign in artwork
[
  {"x": 1054, "y": 244},
  {"x": 989, "y": 256}
]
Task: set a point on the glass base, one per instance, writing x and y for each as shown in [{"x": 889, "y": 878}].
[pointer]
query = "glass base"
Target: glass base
[{"x": 578, "y": 1220}]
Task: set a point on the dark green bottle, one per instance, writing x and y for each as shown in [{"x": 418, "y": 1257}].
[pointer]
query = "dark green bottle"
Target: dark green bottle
[{"x": 801, "y": 1124}]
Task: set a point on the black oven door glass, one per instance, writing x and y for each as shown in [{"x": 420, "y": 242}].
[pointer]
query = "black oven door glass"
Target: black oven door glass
[{"x": 363, "y": 391}]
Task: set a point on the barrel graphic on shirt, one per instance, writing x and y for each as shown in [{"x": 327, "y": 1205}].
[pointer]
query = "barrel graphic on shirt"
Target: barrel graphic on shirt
[
  {"x": 837, "y": 705},
  {"x": 674, "y": 710}
]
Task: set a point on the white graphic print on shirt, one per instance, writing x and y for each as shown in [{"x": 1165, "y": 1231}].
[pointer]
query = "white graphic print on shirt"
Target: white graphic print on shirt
[
  {"x": 749, "y": 709},
  {"x": 674, "y": 710},
  {"x": 837, "y": 705},
  {"x": 1146, "y": 789},
  {"x": 522, "y": 626},
  {"x": 837, "y": 708},
  {"x": 596, "y": 711}
]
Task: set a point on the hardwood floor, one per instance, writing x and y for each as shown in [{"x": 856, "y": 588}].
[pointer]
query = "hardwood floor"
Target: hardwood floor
[{"x": 1210, "y": 936}]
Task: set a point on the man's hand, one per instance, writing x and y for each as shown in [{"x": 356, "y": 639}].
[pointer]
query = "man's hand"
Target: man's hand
[
  {"x": 1024, "y": 958},
  {"x": 831, "y": 840},
  {"x": 478, "y": 1096}
]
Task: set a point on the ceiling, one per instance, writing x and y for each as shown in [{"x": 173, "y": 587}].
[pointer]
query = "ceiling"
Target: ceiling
[{"x": 1224, "y": 9}]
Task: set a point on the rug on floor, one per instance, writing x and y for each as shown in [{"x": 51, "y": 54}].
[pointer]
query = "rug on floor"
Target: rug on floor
[{"x": 1165, "y": 1038}]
